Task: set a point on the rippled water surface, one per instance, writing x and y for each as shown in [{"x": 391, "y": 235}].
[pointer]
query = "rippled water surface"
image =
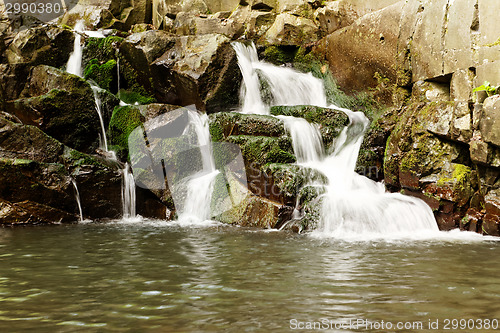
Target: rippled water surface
[{"x": 159, "y": 277}]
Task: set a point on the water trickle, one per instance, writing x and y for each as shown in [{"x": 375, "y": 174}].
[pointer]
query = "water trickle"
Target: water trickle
[
  {"x": 353, "y": 206},
  {"x": 128, "y": 193},
  {"x": 74, "y": 65},
  {"x": 77, "y": 197},
  {"x": 104, "y": 141}
]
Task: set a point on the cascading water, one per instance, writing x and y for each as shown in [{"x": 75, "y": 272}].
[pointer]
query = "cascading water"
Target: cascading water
[
  {"x": 77, "y": 197},
  {"x": 200, "y": 186},
  {"x": 128, "y": 194},
  {"x": 300, "y": 88},
  {"x": 353, "y": 205},
  {"x": 74, "y": 65}
]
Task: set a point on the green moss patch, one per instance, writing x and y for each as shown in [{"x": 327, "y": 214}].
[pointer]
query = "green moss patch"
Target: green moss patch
[
  {"x": 123, "y": 121},
  {"x": 102, "y": 74}
]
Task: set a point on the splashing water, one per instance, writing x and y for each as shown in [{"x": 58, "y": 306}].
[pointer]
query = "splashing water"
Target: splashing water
[{"x": 353, "y": 206}]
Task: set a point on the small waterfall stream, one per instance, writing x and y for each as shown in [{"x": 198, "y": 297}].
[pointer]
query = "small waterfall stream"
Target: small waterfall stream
[
  {"x": 128, "y": 194},
  {"x": 74, "y": 65},
  {"x": 77, "y": 198},
  {"x": 353, "y": 206},
  {"x": 200, "y": 186}
]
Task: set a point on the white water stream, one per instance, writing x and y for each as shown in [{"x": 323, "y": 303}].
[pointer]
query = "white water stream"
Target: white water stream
[
  {"x": 77, "y": 198},
  {"x": 128, "y": 194},
  {"x": 196, "y": 207},
  {"x": 353, "y": 206},
  {"x": 74, "y": 65}
]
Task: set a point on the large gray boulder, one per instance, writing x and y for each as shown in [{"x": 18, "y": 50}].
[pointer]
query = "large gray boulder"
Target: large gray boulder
[{"x": 199, "y": 70}]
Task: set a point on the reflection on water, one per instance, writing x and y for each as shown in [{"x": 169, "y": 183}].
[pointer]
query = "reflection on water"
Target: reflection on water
[{"x": 160, "y": 277}]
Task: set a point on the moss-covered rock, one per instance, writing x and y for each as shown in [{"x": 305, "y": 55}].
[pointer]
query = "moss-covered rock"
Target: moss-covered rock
[
  {"x": 123, "y": 121},
  {"x": 105, "y": 75},
  {"x": 225, "y": 124},
  {"x": 286, "y": 182},
  {"x": 262, "y": 150},
  {"x": 101, "y": 49}
]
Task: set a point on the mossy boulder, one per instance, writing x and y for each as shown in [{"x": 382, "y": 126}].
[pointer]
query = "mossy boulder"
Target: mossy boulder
[
  {"x": 249, "y": 210},
  {"x": 101, "y": 49},
  {"x": 225, "y": 124},
  {"x": 261, "y": 150},
  {"x": 423, "y": 161},
  {"x": 286, "y": 181},
  {"x": 103, "y": 56},
  {"x": 453, "y": 184},
  {"x": 123, "y": 121},
  {"x": 105, "y": 75}
]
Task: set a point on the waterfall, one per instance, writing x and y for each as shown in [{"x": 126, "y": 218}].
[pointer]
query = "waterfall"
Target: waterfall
[
  {"x": 353, "y": 205},
  {"x": 128, "y": 193},
  {"x": 300, "y": 88},
  {"x": 77, "y": 197},
  {"x": 74, "y": 65},
  {"x": 306, "y": 139},
  {"x": 200, "y": 186}
]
